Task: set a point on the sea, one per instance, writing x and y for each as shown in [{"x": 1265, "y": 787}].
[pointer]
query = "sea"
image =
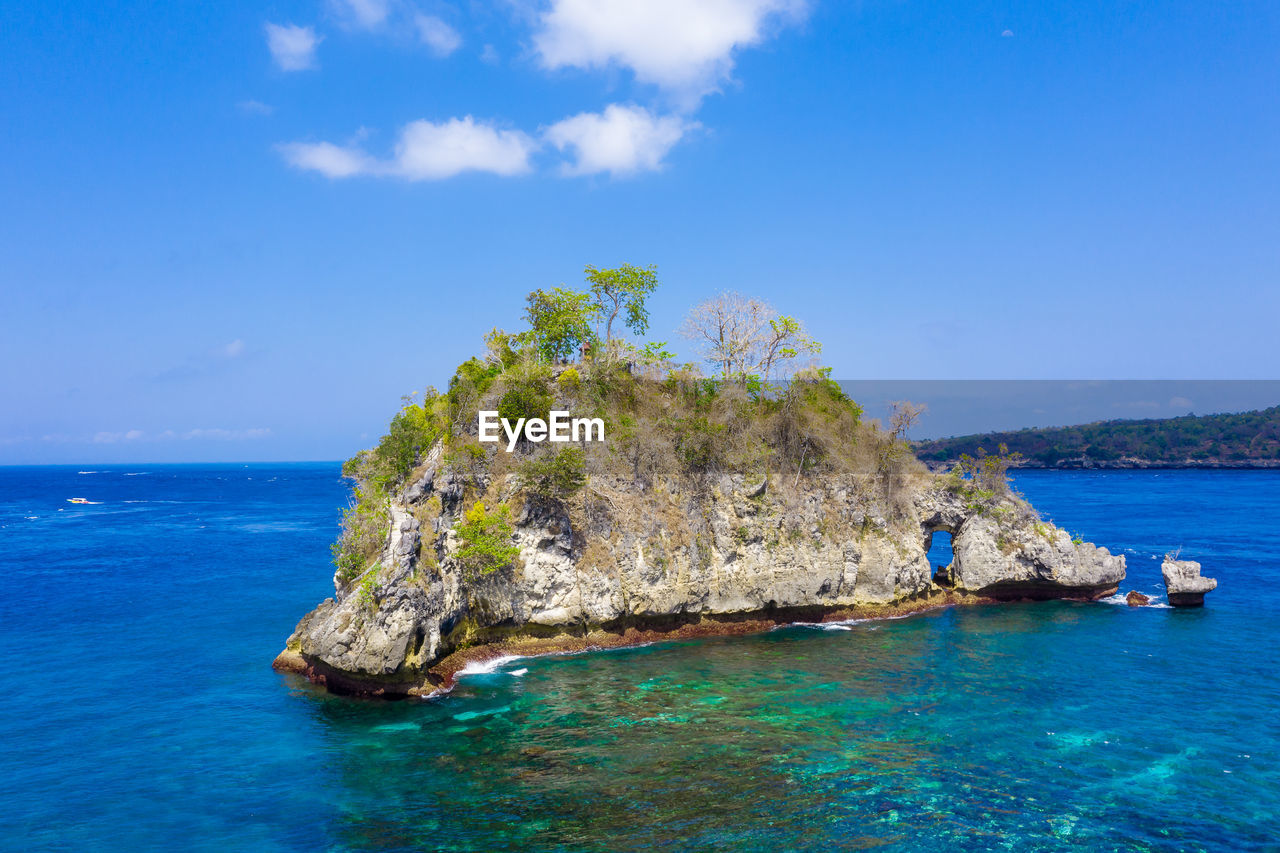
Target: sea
[{"x": 139, "y": 709}]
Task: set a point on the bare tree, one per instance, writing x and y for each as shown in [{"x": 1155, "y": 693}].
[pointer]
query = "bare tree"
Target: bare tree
[
  {"x": 894, "y": 450},
  {"x": 903, "y": 415},
  {"x": 742, "y": 336},
  {"x": 725, "y": 326}
]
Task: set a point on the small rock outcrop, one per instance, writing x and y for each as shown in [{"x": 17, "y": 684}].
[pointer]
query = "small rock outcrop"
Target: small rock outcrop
[
  {"x": 1184, "y": 585},
  {"x": 1029, "y": 559},
  {"x": 1137, "y": 599}
]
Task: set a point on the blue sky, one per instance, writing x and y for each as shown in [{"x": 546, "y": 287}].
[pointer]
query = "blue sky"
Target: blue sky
[{"x": 238, "y": 231}]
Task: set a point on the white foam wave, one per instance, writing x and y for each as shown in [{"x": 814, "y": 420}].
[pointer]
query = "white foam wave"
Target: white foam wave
[
  {"x": 88, "y": 472},
  {"x": 842, "y": 624},
  {"x": 484, "y": 667},
  {"x": 487, "y": 667},
  {"x": 838, "y": 625},
  {"x": 1119, "y": 599}
]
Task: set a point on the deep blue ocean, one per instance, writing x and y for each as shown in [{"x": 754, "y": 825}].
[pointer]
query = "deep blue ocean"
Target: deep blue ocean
[{"x": 140, "y": 712}]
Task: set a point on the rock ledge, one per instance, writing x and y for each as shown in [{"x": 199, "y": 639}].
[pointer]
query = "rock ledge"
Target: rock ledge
[{"x": 1185, "y": 586}]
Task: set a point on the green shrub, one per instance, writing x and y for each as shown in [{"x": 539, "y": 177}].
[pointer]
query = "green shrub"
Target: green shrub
[
  {"x": 476, "y": 373},
  {"x": 696, "y": 439},
  {"x": 988, "y": 474},
  {"x": 555, "y": 474},
  {"x": 525, "y": 399},
  {"x": 357, "y": 465},
  {"x": 368, "y": 591},
  {"x": 364, "y": 529},
  {"x": 469, "y": 383},
  {"x": 348, "y": 563},
  {"x": 570, "y": 379},
  {"x": 412, "y": 432},
  {"x": 486, "y": 540}
]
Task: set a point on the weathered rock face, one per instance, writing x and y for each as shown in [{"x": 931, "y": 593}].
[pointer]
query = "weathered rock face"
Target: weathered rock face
[
  {"x": 1025, "y": 558},
  {"x": 1183, "y": 583},
  {"x": 1137, "y": 599},
  {"x": 816, "y": 554}
]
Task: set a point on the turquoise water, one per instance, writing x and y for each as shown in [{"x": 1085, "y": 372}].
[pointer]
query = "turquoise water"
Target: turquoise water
[{"x": 140, "y": 713}]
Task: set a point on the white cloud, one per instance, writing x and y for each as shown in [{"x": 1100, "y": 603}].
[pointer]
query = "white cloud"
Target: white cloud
[
  {"x": 366, "y": 14},
  {"x": 255, "y": 108},
  {"x": 682, "y": 46},
  {"x": 333, "y": 161},
  {"x": 426, "y": 151},
  {"x": 292, "y": 47},
  {"x": 489, "y": 55},
  {"x": 227, "y": 434},
  {"x": 137, "y": 435},
  {"x": 622, "y": 140},
  {"x": 432, "y": 151},
  {"x": 233, "y": 349},
  {"x": 437, "y": 35},
  {"x": 113, "y": 437},
  {"x": 395, "y": 17}
]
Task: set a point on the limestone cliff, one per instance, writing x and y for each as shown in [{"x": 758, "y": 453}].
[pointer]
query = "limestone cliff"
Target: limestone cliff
[{"x": 616, "y": 563}]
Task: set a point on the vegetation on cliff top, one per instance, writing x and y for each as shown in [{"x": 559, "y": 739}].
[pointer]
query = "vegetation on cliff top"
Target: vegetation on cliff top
[
  {"x": 766, "y": 410},
  {"x": 1247, "y": 439}
]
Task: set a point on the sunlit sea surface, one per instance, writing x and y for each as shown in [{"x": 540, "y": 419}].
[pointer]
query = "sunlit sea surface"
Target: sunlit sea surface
[{"x": 139, "y": 710}]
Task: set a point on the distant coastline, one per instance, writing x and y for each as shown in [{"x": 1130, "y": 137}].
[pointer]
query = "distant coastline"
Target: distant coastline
[
  {"x": 1240, "y": 441},
  {"x": 1127, "y": 465}
]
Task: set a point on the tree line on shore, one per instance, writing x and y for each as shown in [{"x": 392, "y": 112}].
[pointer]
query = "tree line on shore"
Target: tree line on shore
[{"x": 1236, "y": 440}]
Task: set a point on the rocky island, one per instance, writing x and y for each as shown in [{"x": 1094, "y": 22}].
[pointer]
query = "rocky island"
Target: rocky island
[
  {"x": 722, "y": 504},
  {"x": 1183, "y": 582}
]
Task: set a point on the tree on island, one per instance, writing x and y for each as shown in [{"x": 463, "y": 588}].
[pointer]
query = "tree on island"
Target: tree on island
[
  {"x": 560, "y": 321},
  {"x": 743, "y": 336},
  {"x": 623, "y": 289}
]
